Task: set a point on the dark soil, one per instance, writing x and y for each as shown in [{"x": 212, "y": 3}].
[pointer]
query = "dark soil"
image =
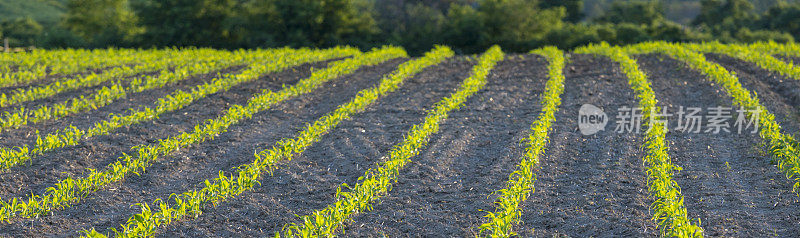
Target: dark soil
[
  {"x": 309, "y": 181},
  {"x": 590, "y": 185},
  {"x": 779, "y": 94},
  {"x": 727, "y": 180},
  {"x": 50, "y": 78},
  {"x": 26, "y": 134},
  {"x": 188, "y": 168},
  {"x": 51, "y": 165},
  {"x": 794, "y": 60},
  {"x": 61, "y": 96},
  {"x": 446, "y": 188},
  {"x": 99, "y": 151}
]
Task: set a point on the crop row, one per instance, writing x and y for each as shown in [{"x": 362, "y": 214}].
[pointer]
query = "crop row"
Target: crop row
[
  {"x": 520, "y": 183},
  {"x": 155, "y": 61},
  {"x": 785, "y": 150},
  {"x": 772, "y": 48},
  {"x": 763, "y": 60},
  {"x": 70, "y": 190},
  {"x": 277, "y": 60},
  {"x": 106, "y": 95},
  {"x": 34, "y": 66},
  {"x": 669, "y": 212},
  {"x": 192, "y": 202},
  {"x": 10, "y": 157},
  {"x": 668, "y": 209},
  {"x": 60, "y": 61},
  {"x": 378, "y": 181}
]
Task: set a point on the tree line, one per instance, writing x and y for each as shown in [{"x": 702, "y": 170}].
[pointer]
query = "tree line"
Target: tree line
[{"x": 468, "y": 26}]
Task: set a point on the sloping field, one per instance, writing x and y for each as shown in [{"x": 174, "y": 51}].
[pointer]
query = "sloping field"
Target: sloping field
[{"x": 340, "y": 142}]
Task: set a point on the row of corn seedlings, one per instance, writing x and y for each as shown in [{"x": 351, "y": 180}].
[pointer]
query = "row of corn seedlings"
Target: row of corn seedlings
[
  {"x": 151, "y": 62},
  {"x": 33, "y": 66},
  {"x": 69, "y": 191},
  {"x": 66, "y": 60},
  {"x": 763, "y": 60},
  {"x": 11, "y": 157},
  {"x": 378, "y": 181},
  {"x": 668, "y": 210},
  {"x": 772, "y": 48},
  {"x": 106, "y": 95},
  {"x": 191, "y": 203},
  {"x": 263, "y": 62},
  {"x": 784, "y": 148},
  {"x": 521, "y": 182}
]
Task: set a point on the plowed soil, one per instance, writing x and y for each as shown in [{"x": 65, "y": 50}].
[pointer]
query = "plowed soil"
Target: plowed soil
[{"x": 587, "y": 186}]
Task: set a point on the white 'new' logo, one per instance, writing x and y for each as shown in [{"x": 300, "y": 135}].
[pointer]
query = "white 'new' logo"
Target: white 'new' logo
[{"x": 591, "y": 119}]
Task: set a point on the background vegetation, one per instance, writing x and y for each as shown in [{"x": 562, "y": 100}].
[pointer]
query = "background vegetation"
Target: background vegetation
[{"x": 468, "y": 26}]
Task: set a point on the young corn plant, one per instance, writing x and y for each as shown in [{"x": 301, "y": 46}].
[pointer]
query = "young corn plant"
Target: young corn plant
[
  {"x": 70, "y": 190},
  {"x": 520, "y": 183},
  {"x": 191, "y": 203},
  {"x": 34, "y": 66},
  {"x": 783, "y": 148},
  {"x": 155, "y": 61},
  {"x": 746, "y": 53},
  {"x": 68, "y": 60},
  {"x": 668, "y": 210},
  {"x": 378, "y": 181},
  {"x": 771, "y": 48},
  {"x": 264, "y": 62},
  {"x": 106, "y": 95}
]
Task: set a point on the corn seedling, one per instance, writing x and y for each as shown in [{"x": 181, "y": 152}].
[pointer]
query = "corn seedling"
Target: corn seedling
[
  {"x": 745, "y": 53},
  {"x": 378, "y": 181},
  {"x": 190, "y": 203},
  {"x": 784, "y": 148},
  {"x": 264, "y": 62},
  {"x": 70, "y": 190},
  {"x": 669, "y": 212},
  {"x": 106, "y": 95},
  {"x": 521, "y": 182},
  {"x": 34, "y": 66}
]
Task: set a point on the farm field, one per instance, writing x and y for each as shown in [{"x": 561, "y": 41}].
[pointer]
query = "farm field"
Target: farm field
[{"x": 342, "y": 142}]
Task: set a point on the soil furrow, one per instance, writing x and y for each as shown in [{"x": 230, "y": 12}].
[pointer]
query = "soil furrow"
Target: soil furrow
[
  {"x": 188, "y": 168},
  {"x": 779, "y": 94},
  {"x": 50, "y": 78},
  {"x": 26, "y": 134},
  {"x": 309, "y": 181},
  {"x": 99, "y": 151},
  {"x": 727, "y": 180},
  {"x": 590, "y": 185},
  {"x": 74, "y": 93},
  {"x": 444, "y": 190}
]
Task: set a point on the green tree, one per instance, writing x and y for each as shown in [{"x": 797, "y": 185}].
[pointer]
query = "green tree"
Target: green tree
[
  {"x": 574, "y": 8},
  {"x": 748, "y": 36},
  {"x": 517, "y": 24},
  {"x": 783, "y": 17},
  {"x": 421, "y": 29},
  {"x": 728, "y": 16},
  {"x": 573, "y": 35},
  {"x": 188, "y": 22},
  {"x": 322, "y": 22},
  {"x": 465, "y": 29},
  {"x": 102, "y": 22},
  {"x": 674, "y": 32},
  {"x": 634, "y": 12},
  {"x": 256, "y": 25},
  {"x": 20, "y": 32},
  {"x": 316, "y": 23}
]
